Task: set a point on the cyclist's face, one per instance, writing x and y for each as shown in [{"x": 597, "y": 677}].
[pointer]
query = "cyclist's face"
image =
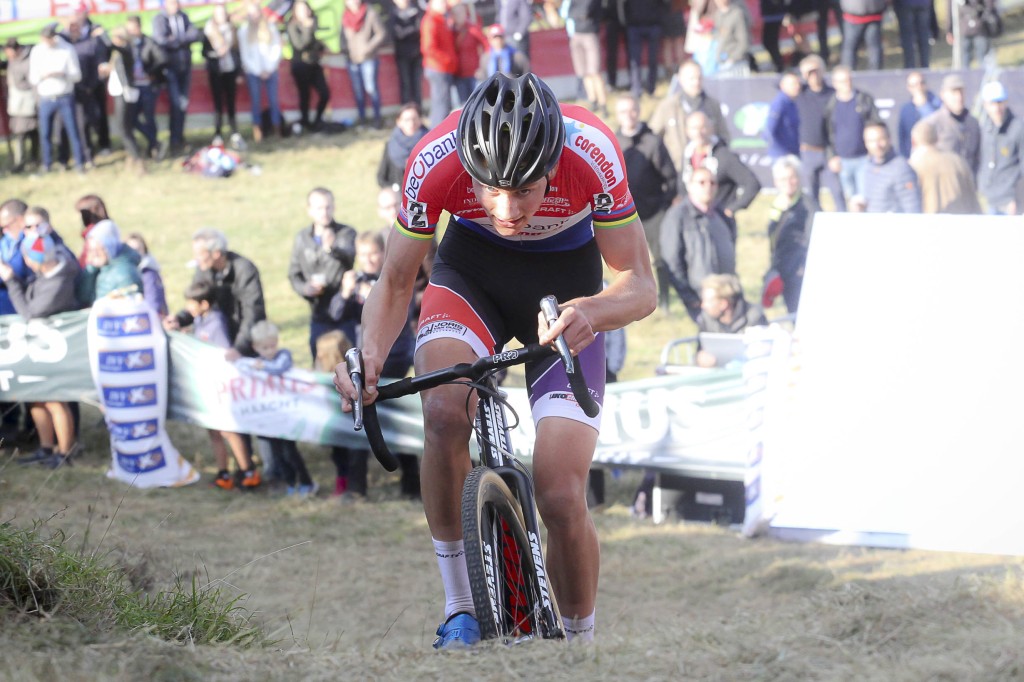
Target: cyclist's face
[{"x": 510, "y": 210}]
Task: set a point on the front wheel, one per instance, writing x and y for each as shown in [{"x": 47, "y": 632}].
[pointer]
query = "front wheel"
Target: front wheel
[{"x": 510, "y": 591}]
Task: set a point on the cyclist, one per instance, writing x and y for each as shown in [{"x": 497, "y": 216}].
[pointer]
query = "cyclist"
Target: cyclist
[{"x": 537, "y": 197}]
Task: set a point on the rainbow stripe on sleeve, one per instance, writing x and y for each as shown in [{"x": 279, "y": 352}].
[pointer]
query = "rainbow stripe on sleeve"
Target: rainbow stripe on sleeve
[{"x": 615, "y": 218}]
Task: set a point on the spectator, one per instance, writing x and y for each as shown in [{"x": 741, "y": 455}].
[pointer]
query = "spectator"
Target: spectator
[
  {"x": 643, "y": 28},
  {"x": 812, "y": 104},
  {"x": 700, "y": 35},
  {"x": 276, "y": 361},
  {"x": 238, "y": 292},
  {"x": 208, "y": 324},
  {"x": 51, "y": 287},
  {"x": 782, "y": 127},
  {"x": 582, "y": 23},
  {"x": 92, "y": 210},
  {"x": 440, "y": 61},
  {"x": 673, "y": 36},
  {"x": 697, "y": 240},
  {"x": 789, "y": 232},
  {"x": 946, "y": 182},
  {"x": 923, "y": 102},
  {"x": 48, "y": 292},
  {"x": 890, "y": 185},
  {"x": 53, "y": 72},
  {"x": 148, "y": 64},
  {"x": 330, "y": 352},
  {"x": 37, "y": 222},
  {"x": 471, "y": 46},
  {"x": 723, "y": 310},
  {"x": 404, "y": 26},
  {"x": 223, "y": 66},
  {"x": 847, "y": 115},
  {"x": 773, "y": 14},
  {"x": 321, "y": 254},
  {"x": 862, "y": 23},
  {"x": 737, "y": 184},
  {"x": 732, "y": 32},
  {"x": 307, "y": 71},
  {"x": 515, "y": 17},
  {"x": 1002, "y": 151},
  {"x": 21, "y": 102},
  {"x": 502, "y": 57},
  {"x": 669, "y": 118},
  {"x": 111, "y": 266},
  {"x": 974, "y": 39},
  {"x": 89, "y": 116},
  {"x": 408, "y": 131},
  {"x": 362, "y": 36},
  {"x": 958, "y": 131},
  {"x": 126, "y": 98},
  {"x": 388, "y": 203},
  {"x": 149, "y": 270},
  {"x": 348, "y": 305},
  {"x": 259, "y": 45},
  {"x": 614, "y": 20},
  {"x": 653, "y": 178},
  {"x": 914, "y": 18},
  {"x": 12, "y": 220},
  {"x": 87, "y": 27},
  {"x": 173, "y": 31}
]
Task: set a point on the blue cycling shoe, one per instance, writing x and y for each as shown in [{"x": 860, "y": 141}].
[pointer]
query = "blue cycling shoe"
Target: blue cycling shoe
[{"x": 458, "y": 632}]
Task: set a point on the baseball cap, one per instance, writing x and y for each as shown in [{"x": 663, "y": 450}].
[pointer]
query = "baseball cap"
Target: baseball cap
[
  {"x": 953, "y": 82},
  {"x": 50, "y": 30},
  {"x": 495, "y": 31},
  {"x": 994, "y": 92},
  {"x": 38, "y": 248}
]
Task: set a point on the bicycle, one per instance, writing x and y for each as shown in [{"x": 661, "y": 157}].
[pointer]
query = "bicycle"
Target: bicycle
[{"x": 500, "y": 524}]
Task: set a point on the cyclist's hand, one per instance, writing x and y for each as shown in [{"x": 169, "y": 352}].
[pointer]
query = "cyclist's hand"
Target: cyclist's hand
[
  {"x": 572, "y": 324},
  {"x": 343, "y": 382}
]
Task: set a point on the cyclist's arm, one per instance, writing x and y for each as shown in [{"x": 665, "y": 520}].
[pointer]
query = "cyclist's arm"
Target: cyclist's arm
[
  {"x": 386, "y": 310},
  {"x": 630, "y": 295}
]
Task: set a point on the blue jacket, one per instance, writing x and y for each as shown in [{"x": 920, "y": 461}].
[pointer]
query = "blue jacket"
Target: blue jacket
[
  {"x": 782, "y": 128},
  {"x": 910, "y": 114},
  {"x": 10, "y": 253},
  {"x": 891, "y": 186}
]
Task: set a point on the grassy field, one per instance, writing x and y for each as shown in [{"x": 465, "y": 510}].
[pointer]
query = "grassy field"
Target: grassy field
[{"x": 351, "y": 591}]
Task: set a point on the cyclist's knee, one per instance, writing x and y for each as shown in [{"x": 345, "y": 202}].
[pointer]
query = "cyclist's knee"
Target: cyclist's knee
[
  {"x": 562, "y": 503},
  {"x": 444, "y": 419}
]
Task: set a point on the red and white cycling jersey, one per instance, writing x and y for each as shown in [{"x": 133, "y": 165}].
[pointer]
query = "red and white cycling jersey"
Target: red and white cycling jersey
[{"x": 588, "y": 191}]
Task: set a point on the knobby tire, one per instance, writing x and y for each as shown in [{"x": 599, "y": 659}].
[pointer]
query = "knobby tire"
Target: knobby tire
[{"x": 502, "y": 572}]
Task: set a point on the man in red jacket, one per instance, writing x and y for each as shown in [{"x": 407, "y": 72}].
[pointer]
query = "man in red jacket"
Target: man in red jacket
[{"x": 440, "y": 60}]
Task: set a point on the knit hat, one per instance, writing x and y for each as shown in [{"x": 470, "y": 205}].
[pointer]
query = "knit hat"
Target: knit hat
[
  {"x": 38, "y": 249},
  {"x": 106, "y": 234}
]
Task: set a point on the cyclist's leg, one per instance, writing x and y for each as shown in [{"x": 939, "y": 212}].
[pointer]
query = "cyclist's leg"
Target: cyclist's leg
[
  {"x": 451, "y": 330},
  {"x": 562, "y": 454}
]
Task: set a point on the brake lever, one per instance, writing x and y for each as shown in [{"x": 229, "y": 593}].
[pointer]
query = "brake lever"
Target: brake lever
[
  {"x": 549, "y": 306},
  {"x": 354, "y": 366}
]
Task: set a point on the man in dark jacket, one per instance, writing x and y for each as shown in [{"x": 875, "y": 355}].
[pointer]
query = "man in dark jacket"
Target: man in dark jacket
[
  {"x": 652, "y": 179},
  {"x": 812, "y": 103},
  {"x": 1002, "y": 151},
  {"x": 237, "y": 287},
  {"x": 643, "y": 27},
  {"x": 322, "y": 253},
  {"x": 737, "y": 184},
  {"x": 847, "y": 114},
  {"x": 696, "y": 240},
  {"x": 958, "y": 131},
  {"x": 174, "y": 32},
  {"x": 149, "y": 63},
  {"x": 890, "y": 184},
  {"x": 789, "y": 231}
]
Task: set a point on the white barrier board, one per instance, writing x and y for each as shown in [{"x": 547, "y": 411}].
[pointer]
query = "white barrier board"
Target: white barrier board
[{"x": 905, "y": 424}]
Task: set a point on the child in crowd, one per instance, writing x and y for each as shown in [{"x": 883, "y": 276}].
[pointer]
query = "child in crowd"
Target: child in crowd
[
  {"x": 350, "y": 464},
  {"x": 209, "y": 325},
  {"x": 276, "y": 361}
]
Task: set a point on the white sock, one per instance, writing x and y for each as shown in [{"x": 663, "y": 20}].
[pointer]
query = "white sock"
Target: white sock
[
  {"x": 451, "y": 559},
  {"x": 579, "y": 628}
]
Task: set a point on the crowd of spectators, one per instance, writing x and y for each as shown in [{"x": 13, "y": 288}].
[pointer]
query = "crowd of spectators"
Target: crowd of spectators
[{"x": 822, "y": 132}]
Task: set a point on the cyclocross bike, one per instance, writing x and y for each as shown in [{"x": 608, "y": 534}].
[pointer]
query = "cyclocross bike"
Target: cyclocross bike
[{"x": 499, "y": 515}]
